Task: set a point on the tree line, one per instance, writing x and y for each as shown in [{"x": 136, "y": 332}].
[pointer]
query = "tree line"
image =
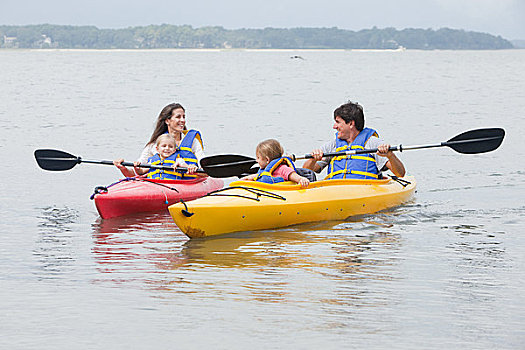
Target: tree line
[{"x": 185, "y": 36}]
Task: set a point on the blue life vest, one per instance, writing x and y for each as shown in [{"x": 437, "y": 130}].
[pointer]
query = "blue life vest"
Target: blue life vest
[
  {"x": 265, "y": 175},
  {"x": 184, "y": 151},
  {"x": 356, "y": 166}
]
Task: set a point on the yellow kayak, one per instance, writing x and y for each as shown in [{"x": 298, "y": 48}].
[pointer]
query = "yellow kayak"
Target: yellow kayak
[{"x": 249, "y": 205}]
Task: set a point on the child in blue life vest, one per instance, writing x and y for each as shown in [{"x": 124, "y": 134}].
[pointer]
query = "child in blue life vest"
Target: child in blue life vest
[
  {"x": 166, "y": 147},
  {"x": 274, "y": 167}
]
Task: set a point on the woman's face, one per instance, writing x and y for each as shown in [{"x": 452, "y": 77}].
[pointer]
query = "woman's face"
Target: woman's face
[{"x": 177, "y": 121}]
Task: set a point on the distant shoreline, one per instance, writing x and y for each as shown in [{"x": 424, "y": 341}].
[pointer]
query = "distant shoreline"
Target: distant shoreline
[
  {"x": 49, "y": 36},
  {"x": 246, "y": 50}
]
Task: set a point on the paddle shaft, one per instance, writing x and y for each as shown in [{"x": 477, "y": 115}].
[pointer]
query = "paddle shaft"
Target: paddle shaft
[
  {"x": 109, "y": 162},
  {"x": 399, "y": 148},
  {"x": 151, "y": 166}
]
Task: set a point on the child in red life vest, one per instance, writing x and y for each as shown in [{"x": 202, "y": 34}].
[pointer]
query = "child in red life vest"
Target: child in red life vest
[{"x": 274, "y": 167}]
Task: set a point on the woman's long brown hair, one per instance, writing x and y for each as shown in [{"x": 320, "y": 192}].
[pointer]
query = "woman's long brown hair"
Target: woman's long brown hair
[{"x": 161, "y": 127}]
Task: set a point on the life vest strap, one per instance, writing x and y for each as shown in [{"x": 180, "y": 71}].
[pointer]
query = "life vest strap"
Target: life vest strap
[
  {"x": 264, "y": 173},
  {"x": 370, "y": 159},
  {"x": 355, "y": 172},
  {"x": 364, "y": 173}
]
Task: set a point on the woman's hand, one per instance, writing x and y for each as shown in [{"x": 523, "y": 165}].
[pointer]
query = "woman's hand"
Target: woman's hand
[
  {"x": 118, "y": 163},
  {"x": 125, "y": 171},
  {"x": 139, "y": 171}
]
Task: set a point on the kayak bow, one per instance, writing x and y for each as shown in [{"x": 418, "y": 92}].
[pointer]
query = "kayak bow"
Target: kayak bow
[{"x": 134, "y": 195}]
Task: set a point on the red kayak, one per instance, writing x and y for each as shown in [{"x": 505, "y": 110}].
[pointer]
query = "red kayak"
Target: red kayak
[{"x": 138, "y": 194}]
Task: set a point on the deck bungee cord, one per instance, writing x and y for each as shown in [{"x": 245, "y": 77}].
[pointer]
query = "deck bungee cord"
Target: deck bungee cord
[
  {"x": 258, "y": 192},
  {"x": 401, "y": 181}
]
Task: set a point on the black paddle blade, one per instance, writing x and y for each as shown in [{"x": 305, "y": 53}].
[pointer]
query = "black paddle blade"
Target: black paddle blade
[
  {"x": 250, "y": 171},
  {"x": 55, "y": 160},
  {"x": 226, "y": 165},
  {"x": 477, "y": 141}
]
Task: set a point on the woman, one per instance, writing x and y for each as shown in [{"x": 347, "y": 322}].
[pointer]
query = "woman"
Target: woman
[{"x": 172, "y": 120}]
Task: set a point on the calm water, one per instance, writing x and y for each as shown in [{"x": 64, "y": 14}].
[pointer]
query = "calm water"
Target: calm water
[{"x": 444, "y": 271}]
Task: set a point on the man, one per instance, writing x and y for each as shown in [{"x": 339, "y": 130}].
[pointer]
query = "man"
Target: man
[{"x": 351, "y": 134}]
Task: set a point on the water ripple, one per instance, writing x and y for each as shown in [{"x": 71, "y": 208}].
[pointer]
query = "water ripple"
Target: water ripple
[{"x": 54, "y": 247}]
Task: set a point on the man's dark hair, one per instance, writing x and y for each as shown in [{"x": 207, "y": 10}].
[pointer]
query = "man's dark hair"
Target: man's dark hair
[{"x": 351, "y": 111}]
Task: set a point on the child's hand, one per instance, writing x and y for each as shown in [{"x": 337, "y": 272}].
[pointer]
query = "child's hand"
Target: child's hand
[
  {"x": 179, "y": 162},
  {"x": 192, "y": 169},
  {"x": 248, "y": 177},
  {"x": 304, "y": 182},
  {"x": 136, "y": 163}
]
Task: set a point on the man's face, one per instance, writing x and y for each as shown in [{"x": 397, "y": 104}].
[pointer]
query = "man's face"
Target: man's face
[{"x": 344, "y": 130}]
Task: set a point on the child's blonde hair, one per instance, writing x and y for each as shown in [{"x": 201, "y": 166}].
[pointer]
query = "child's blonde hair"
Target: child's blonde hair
[
  {"x": 165, "y": 137},
  {"x": 270, "y": 148}
]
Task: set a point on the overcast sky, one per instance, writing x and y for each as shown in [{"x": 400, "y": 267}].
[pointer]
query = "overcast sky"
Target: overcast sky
[{"x": 497, "y": 17}]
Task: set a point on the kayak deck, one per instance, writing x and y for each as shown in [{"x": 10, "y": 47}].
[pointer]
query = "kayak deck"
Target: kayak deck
[{"x": 248, "y": 205}]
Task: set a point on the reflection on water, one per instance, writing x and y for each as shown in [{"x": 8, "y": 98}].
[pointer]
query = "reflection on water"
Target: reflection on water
[
  {"x": 135, "y": 243},
  {"x": 152, "y": 252},
  {"x": 54, "y": 246}
]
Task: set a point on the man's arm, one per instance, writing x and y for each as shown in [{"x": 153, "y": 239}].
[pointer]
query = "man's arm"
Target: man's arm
[
  {"x": 311, "y": 163},
  {"x": 394, "y": 163}
]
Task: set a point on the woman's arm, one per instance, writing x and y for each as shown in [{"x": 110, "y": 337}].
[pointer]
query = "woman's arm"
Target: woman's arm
[
  {"x": 140, "y": 171},
  {"x": 125, "y": 171},
  {"x": 146, "y": 153}
]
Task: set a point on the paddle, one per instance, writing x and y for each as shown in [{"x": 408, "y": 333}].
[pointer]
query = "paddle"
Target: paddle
[
  {"x": 55, "y": 160},
  {"x": 469, "y": 142}
]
